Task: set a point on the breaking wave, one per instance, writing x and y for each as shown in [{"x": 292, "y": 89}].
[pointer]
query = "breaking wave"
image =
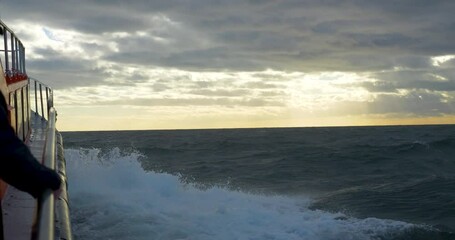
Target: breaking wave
[{"x": 112, "y": 197}]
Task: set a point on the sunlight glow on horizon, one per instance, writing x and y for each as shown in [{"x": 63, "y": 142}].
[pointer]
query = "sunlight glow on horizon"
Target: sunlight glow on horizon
[
  {"x": 301, "y": 100},
  {"x": 104, "y": 120}
]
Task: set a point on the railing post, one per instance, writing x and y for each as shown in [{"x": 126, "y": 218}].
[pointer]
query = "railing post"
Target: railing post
[
  {"x": 23, "y": 60},
  {"x": 36, "y": 98},
  {"x": 24, "y": 133},
  {"x": 16, "y": 54},
  {"x": 47, "y": 101},
  {"x": 41, "y": 98},
  {"x": 5, "y": 41},
  {"x": 50, "y": 98},
  {"x": 27, "y": 95},
  {"x": 13, "y": 59},
  {"x": 16, "y": 112}
]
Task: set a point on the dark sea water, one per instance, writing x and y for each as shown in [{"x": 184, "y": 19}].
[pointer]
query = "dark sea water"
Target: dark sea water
[{"x": 285, "y": 183}]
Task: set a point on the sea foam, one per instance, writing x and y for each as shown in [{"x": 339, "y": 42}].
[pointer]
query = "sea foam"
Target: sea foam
[{"x": 112, "y": 197}]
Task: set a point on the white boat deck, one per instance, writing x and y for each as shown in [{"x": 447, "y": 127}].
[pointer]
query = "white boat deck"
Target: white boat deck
[{"x": 19, "y": 207}]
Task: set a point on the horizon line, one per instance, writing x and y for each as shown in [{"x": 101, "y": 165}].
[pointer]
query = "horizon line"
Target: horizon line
[{"x": 275, "y": 127}]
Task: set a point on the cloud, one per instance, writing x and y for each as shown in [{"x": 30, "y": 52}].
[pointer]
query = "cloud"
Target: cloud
[
  {"x": 224, "y": 102},
  {"x": 51, "y": 35},
  {"x": 417, "y": 103},
  {"x": 220, "y": 92},
  {"x": 256, "y": 35},
  {"x": 410, "y": 104},
  {"x": 64, "y": 71},
  {"x": 178, "y": 89},
  {"x": 348, "y": 56}
]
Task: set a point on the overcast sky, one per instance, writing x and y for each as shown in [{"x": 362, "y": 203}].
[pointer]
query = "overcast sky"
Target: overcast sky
[{"x": 257, "y": 63}]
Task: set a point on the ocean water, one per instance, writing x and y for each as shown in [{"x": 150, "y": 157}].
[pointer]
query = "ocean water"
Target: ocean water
[{"x": 284, "y": 183}]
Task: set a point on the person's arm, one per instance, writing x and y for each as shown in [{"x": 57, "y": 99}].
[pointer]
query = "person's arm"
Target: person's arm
[{"x": 18, "y": 167}]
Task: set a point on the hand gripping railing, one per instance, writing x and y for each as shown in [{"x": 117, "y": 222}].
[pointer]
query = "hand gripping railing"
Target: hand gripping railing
[
  {"x": 47, "y": 207},
  {"x": 46, "y": 204}
]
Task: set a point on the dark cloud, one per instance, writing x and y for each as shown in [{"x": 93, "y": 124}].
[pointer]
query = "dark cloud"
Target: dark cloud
[
  {"x": 63, "y": 71},
  {"x": 392, "y": 42},
  {"x": 109, "y": 23},
  {"x": 255, "y": 35},
  {"x": 412, "y": 104},
  {"x": 378, "y": 41},
  {"x": 429, "y": 80},
  {"x": 195, "y": 60}
]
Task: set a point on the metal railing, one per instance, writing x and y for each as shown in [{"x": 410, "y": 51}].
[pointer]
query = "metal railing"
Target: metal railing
[
  {"x": 19, "y": 100},
  {"x": 13, "y": 55},
  {"x": 41, "y": 97},
  {"x": 38, "y": 98},
  {"x": 46, "y": 204},
  {"x": 54, "y": 159}
]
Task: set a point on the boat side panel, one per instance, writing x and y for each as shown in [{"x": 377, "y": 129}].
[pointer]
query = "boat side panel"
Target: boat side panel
[
  {"x": 3, "y": 86},
  {"x": 4, "y": 92}
]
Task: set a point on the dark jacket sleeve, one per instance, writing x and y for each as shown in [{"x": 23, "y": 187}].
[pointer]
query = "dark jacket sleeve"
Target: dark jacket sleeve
[{"x": 18, "y": 167}]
